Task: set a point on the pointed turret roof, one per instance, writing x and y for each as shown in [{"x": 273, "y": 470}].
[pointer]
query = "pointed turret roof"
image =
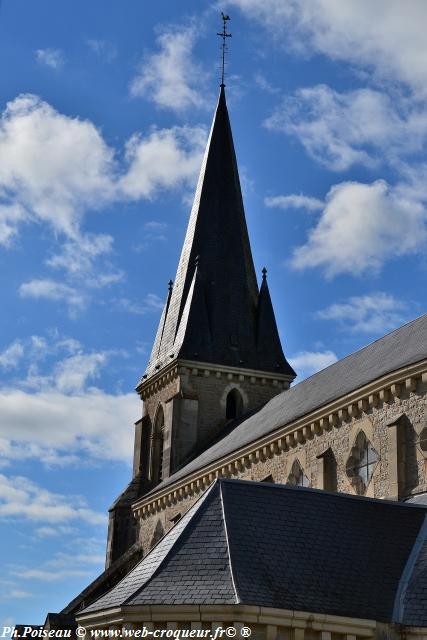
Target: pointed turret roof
[{"x": 212, "y": 312}]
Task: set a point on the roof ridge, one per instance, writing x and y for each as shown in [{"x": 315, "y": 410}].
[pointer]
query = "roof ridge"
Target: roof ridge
[
  {"x": 366, "y": 346},
  {"x": 405, "y": 578},
  {"x": 233, "y": 578},
  {"x": 336, "y": 494},
  {"x": 201, "y": 499},
  {"x": 183, "y": 523}
]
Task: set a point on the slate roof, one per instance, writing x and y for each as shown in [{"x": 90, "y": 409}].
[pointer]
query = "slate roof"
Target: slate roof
[
  {"x": 212, "y": 313},
  {"x": 415, "y": 597},
  {"x": 284, "y": 547},
  {"x": 404, "y": 346}
]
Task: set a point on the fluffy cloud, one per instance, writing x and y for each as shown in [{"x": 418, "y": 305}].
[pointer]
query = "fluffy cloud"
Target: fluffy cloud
[
  {"x": 357, "y": 127},
  {"x": 72, "y": 374},
  {"x": 10, "y": 357},
  {"x": 375, "y": 313},
  {"x": 170, "y": 77},
  {"x": 376, "y": 35},
  {"x": 53, "y": 411},
  {"x": 53, "y": 58},
  {"x": 54, "y": 168},
  {"x": 361, "y": 226},
  {"x": 84, "y": 260},
  {"x": 306, "y": 363},
  {"x": 294, "y": 201},
  {"x": 58, "y": 428},
  {"x": 165, "y": 159},
  {"x": 56, "y": 291},
  {"x": 22, "y": 498}
]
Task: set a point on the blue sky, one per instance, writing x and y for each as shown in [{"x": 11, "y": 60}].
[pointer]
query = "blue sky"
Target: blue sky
[{"x": 105, "y": 111}]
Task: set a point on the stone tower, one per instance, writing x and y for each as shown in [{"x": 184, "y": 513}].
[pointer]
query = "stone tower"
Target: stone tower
[{"x": 217, "y": 354}]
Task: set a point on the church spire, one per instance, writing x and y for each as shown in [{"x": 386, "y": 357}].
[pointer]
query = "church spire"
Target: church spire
[{"x": 212, "y": 314}]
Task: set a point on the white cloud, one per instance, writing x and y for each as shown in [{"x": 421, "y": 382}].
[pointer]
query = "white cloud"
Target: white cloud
[
  {"x": 52, "y": 531},
  {"x": 53, "y": 575},
  {"x": 80, "y": 259},
  {"x": 10, "y": 216},
  {"x": 57, "y": 428},
  {"x": 54, "y": 168},
  {"x": 56, "y": 415},
  {"x": 22, "y": 498},
  {"x": 154, "y": 225},
  {"x": 375, "y": 313},
  {"x": 171, "y": 78},
  {"x": 62, "y": 566},
  {"x": 294, "y": 201},
  {"x": 53, "y": 58},
  {"x": 72, "y": 374},
  {"x": 375, "y": 35},
  {"x": 10, "y": 357},
  {"x": 151, "y": 303},
  {"x": 361, "y": 226},
  {"x": 77, "y": 256},
  {"x": 165, "y": 159},
  {"x": 51, "y": 290},
  {"x": 106, "y": 50},
  {"x": 357, "y": 127},
  {"x": 306, "y": 363}
]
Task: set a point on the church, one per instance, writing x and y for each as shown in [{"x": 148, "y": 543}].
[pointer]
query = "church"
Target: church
[{"x": 298, "y": 511}]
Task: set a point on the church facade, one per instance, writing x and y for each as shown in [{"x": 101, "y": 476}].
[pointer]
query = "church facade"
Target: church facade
[{"x": 297, "y": 511}]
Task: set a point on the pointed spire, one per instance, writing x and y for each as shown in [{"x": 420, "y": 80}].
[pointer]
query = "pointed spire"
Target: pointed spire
[
  {"x": 215, "y": 290},
  {"x": 268, "y": 340}
]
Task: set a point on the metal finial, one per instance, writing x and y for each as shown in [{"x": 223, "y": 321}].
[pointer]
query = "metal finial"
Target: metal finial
[
  {"x": 223, "y": 35},
  {"x": 170, "y": 285},
  {"x": 264, "y": 273},
  {"x": 196, "y": 261}
]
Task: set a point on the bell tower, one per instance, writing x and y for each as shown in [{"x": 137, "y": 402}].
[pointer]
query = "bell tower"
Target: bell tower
[{"x": 217, "y": 354}]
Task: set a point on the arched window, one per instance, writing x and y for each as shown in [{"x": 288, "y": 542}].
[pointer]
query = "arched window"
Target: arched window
[
  {"x": 234, "y": 405},
  {"x": 297, "y": 476},
  {"x": 361, "y": 463},
  {"x": 157, "y": 442}
]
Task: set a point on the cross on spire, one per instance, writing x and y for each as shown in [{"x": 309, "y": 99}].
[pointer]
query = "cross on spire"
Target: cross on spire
[{"x": 224, "y": 35}]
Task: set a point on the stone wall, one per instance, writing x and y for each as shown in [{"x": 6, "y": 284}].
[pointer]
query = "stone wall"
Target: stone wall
[
  {"x": 392, "y": 427},
  {"x": 193, "y": 399}
]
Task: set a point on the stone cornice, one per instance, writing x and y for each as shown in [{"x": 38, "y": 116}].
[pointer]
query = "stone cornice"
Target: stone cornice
[
  {"x": 177, "y": 367},
  {"x": 228, "y": 614},
  {"x": 283, "y": 438}
]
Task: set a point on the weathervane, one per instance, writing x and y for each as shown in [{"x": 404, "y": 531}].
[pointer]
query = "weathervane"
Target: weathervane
[{"x": 224, "y": 35}]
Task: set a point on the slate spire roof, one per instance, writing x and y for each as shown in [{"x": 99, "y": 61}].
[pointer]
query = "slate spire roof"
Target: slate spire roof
[
  {"x": 287, "y": 547},
  {"x": 214, "y": 313}
]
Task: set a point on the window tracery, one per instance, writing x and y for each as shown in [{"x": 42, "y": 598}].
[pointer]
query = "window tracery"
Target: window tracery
[
  {"x": 297, "y": 476},
  {"x": 361, "y": 463}
]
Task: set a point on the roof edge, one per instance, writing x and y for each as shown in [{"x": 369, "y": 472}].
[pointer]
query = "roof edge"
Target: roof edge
[
  {"x": 230, "y": 562},
  {"x": 399, "y": 602}
]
